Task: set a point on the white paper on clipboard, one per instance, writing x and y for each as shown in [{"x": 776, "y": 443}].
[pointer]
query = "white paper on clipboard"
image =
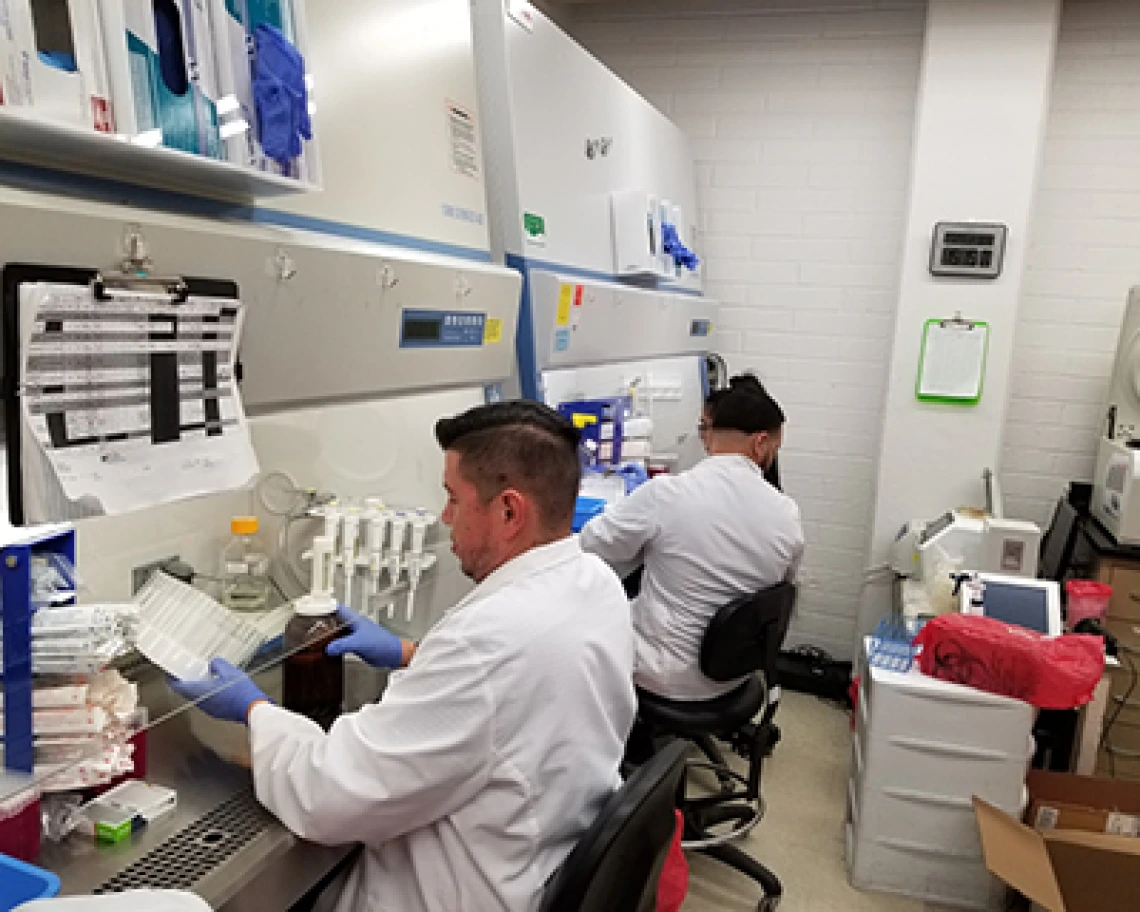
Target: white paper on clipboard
[
  {"x": 102, "y": 434},
  {"x": 953, "y": 360}
]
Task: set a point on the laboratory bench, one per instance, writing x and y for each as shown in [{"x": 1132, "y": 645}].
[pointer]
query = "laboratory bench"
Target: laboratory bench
[
  {"x": 218, "y": 843},
  {"x": 1097, "y": 556}
]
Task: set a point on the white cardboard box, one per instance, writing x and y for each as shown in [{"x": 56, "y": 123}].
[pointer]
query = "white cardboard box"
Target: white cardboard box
[
  {"x": 152, "y": 110},
  {"x": 75, "y": 94}
]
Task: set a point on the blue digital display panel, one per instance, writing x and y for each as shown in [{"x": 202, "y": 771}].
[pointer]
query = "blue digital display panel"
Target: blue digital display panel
[
  {"x": 441, "y": 329},
  {"x": 700, "y": 328}
]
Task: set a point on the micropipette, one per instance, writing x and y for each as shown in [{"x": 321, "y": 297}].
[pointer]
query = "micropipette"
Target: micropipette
[
  {"x": 377, "y": 521},
  {"x": 348, "y": 551},
  {"x": 420, "y": 523}
]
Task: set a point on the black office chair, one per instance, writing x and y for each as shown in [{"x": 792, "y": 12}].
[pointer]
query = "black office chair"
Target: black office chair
[
  {"x": 616, "y": 864},
  {"x": 743, "y": 638}
]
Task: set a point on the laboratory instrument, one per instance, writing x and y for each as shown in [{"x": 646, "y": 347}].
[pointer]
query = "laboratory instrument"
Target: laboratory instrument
[
  {"x": 417, "y": 561},
  {"x": 1030, "y": 603},
  {"x": 610, "y": 298},
  {"x": 312, "y": 682},
  {"x": 1116, "y": 483},
  {"x": 648, "y": 347},
  {"x": 966, "y": 540},
  {"x": 967, "y": 249},
  {"x": 245, "y": 567},
  {"x": 375, "y": 526}
]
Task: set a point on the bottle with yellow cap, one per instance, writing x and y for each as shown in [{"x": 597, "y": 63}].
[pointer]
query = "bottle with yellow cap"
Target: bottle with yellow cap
[{"x": 245, "y": 568}]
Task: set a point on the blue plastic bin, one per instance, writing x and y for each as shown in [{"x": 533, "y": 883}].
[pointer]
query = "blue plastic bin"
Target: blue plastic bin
[
  {"x": 21, "y": 882},
  {"x": 585, "y": 510}
]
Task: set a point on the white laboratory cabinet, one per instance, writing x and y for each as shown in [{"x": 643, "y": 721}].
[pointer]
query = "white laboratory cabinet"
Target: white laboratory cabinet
[
  {"x": 569, "y": 146},
  {"x": 921, "y": 750},
  {"x": 400, "y": 131}
]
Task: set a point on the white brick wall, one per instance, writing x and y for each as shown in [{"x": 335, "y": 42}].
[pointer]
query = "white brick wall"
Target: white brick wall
[
  {"x": 801, "y": 124},
  {"x": 1085, "y": 254}
]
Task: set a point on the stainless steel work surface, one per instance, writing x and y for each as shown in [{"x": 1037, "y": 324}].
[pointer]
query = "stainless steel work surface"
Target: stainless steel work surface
[{"x": 217, "y": 842}]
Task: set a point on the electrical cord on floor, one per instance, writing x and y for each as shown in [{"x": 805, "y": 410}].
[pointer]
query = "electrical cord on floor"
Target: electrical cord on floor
[{"x": 1134, "y": 672}]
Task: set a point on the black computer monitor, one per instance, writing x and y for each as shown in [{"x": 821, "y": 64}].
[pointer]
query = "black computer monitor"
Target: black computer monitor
[{"x": 1057, "y": 548}]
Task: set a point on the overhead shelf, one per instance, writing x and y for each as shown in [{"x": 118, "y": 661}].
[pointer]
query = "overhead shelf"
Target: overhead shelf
[{"x": 64, "y": 147}]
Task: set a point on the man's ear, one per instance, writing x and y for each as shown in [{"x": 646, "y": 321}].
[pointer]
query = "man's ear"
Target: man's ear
[{"x": 515, "y": 510}]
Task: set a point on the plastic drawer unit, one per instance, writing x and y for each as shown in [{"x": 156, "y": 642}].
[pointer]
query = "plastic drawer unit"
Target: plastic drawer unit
[{"x": 921, "y": 750}]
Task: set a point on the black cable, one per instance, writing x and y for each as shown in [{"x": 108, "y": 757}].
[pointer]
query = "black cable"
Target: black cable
[{"x": 1125, "y": 654}]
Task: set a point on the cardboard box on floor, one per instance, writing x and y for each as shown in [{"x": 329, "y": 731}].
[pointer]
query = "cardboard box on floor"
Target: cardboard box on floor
[
  {"x": 1076, "y": 862},
  {"x": 1061, "y": 801}
]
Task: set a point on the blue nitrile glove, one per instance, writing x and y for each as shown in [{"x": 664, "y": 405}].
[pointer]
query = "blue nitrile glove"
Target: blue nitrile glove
[
  {"x": 378, "y": 647},
  {"x": 672, "y": 244},
  {"x": 634, "y": 475},
  {"x": 230, "y": 692},
  {"x": 280, "y": 95}
]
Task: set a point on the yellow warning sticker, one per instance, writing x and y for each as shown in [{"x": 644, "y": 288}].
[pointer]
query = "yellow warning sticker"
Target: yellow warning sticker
[
  {"x": 565, "y": 302},
  {"x": 492, "y": 331}
]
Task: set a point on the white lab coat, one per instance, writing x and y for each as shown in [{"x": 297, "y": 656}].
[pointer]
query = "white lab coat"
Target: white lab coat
[
  {"x": 470, "y": 781},
  {"x": 705, "y": 537}
]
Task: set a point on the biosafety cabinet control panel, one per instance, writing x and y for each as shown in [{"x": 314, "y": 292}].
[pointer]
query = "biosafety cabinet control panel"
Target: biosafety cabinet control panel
[{"x": 442, "y": 329}]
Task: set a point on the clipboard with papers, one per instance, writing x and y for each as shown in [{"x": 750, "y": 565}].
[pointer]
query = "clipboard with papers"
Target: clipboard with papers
[
  {"x": 952, "y": 365},
  {"x": 120, "y": 391}
]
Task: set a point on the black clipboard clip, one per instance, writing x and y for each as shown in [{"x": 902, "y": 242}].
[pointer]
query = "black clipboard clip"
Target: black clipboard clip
[
  {"x": 134, "y": 274},
  {"x": 957, "y": 320}
]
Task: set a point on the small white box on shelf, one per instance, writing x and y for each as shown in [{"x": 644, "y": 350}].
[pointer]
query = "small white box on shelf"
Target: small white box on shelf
[
  {"x": 636, "y": 216},
  {"x": 52, "y": 63},
  {"x": 163, "y": 75},
  {"x": 233, "y": 29}
]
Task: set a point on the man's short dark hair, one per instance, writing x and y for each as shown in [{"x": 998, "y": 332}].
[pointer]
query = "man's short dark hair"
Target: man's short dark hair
[
  {"x": 744, "y": 406},
  {"x": 523, "y": 445}
]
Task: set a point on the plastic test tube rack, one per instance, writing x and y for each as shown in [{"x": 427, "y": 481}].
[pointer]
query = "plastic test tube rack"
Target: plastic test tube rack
[{"x": 16, "y": 615}]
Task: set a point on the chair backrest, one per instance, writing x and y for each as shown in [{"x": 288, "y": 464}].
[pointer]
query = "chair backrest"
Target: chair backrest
[
  {"x": 746, "y": 635},
  {"x": 617, "y": 862}
]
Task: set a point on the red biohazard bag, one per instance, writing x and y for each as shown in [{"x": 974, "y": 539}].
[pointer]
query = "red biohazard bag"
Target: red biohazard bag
[
  {"x": 674, "y": 881},
  {"x": 1048, "y": 672}
]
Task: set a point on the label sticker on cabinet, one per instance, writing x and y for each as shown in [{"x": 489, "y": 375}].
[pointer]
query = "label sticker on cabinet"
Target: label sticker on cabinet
[
  {"x": 578, "y": 290},
  {"x": 464, "y": 139},
  {"x": 561, "y": 340},
  {"x": 534, "y": 229},
  {"x": 565, "y": 301},
  {"x": 493, "y": 331}
]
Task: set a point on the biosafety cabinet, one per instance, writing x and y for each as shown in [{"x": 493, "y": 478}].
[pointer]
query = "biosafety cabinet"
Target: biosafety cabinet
[
  {"x": 592, "y": 198},
  {"x": 582, "y": 171},
  {"x": 395, "y": 108}
]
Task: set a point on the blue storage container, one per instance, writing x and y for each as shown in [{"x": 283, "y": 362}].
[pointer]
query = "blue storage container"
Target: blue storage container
[{"x": 21, "y": 882}]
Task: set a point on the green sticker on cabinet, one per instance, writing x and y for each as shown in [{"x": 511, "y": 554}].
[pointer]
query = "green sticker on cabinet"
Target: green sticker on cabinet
[{"x": 534, "y": 226}]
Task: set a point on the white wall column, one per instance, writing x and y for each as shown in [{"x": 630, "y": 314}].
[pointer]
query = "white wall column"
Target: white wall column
[{"x": 979, "y": 133}]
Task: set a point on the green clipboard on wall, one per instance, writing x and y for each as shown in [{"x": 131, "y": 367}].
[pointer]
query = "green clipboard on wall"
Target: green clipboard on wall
[{"x": 952, "y": 364}]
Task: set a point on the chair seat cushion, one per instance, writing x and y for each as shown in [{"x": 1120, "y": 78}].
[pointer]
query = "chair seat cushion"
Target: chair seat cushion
[{"x": 720, "y": 715}]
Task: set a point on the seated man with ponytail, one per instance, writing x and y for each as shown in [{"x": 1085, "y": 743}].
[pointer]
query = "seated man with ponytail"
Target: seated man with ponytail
[{"x": 703, "y": 538}]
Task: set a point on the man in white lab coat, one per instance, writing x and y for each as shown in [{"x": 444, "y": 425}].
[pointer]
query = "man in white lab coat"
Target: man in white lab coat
[
  {"x": 471, "y": 779},
  {"x": 703, "y": 538}
]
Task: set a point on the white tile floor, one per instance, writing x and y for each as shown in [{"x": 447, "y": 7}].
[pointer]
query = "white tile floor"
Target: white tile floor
[{"x": 801, "y": 838}]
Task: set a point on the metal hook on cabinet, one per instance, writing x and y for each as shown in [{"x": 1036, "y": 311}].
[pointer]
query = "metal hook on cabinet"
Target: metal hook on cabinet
[
  {"x": 284, "y": 266},
  {"x": 386, "y": 277}
]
